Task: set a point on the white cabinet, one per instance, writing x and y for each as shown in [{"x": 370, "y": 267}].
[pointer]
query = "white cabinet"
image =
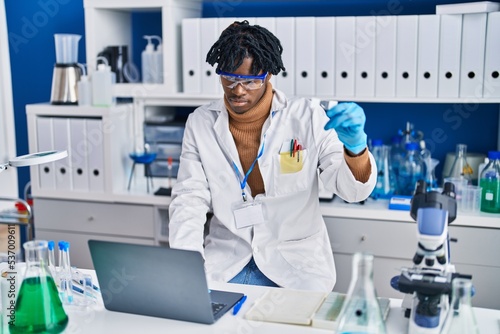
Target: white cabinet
[
  {"x": 392, "y": 237},
  {"x": 110, "y": 23}
]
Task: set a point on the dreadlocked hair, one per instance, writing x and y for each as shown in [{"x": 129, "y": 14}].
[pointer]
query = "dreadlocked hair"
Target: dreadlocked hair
[{"x": 241, "y": 40}]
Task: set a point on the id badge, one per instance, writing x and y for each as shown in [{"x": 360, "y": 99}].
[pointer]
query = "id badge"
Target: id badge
[{"x": 248, "y": 214}]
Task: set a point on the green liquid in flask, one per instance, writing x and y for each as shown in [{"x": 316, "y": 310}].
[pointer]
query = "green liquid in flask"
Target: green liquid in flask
[{"x": 38, "y": 308}]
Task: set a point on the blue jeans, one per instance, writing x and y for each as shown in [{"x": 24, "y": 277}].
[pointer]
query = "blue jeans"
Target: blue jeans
[{"x": 251, "y": 275}]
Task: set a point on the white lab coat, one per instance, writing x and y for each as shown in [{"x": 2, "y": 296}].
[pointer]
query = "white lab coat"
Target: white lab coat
[{"x": 292, "y": 247}]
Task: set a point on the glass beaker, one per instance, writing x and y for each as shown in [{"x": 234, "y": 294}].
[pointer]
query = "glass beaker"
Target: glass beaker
[
  {"x": 361, "y": 312},
  {"x": 460, "y": 317},
  {"x": 38, "y": 307},
  {"x": 67, "y": 48}
]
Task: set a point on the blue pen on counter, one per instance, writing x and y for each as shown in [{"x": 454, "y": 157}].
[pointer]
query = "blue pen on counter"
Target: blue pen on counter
[{"x": 238, "y": 305}]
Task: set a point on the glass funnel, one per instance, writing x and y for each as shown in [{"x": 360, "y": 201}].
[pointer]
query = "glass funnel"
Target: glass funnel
[{"x": 38, "y": 307}]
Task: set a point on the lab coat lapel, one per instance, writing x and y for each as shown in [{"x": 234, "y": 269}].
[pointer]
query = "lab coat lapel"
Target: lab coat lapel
[{"x": 225, "y": 138}]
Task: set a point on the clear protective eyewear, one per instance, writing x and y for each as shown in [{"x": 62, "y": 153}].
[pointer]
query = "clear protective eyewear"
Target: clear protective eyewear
[{"x": 248, "y": 82}]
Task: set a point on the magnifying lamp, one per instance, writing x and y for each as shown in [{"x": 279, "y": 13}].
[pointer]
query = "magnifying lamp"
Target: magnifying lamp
[{"x": 34, "y": 159}]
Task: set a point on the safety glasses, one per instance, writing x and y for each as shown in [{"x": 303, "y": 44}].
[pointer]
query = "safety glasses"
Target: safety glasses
[{"x": 248, "y": 82}]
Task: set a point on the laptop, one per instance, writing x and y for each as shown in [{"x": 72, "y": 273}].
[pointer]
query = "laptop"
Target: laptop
[{"x": 158, "y": 282}]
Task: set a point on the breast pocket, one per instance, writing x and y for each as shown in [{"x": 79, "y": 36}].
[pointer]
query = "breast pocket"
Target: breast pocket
[{"x": 292, "y": 173}]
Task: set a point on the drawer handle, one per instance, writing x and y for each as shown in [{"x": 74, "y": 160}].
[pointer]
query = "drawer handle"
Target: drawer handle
[
  {"x": 90, "y": 219},
  {"x": 363, "y": 237}
]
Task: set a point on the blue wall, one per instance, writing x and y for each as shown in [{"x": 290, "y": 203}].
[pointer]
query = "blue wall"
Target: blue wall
[{"x": 32, "y": 25}]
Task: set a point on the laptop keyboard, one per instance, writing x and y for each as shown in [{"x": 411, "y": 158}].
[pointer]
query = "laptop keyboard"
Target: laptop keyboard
[{"x": 217, "y": 307}]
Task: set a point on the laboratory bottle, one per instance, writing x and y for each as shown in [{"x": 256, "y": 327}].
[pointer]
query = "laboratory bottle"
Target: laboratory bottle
[
  {"x": 38, "y": 308},
  {"x": 385, "y": 186},
  {"x": 102, "y": 84},
  {"x": 411, "y": 170},
  {"x": 158, "y": 61},
  {"x": 397, "y": 156},
  {"x": 489, "y": 181},
  {"x": 148, "y": 61},
  {"x": 84, "y": 90},
  {"x": 460, "y": 318},
  {"x": 360, "y": 312},
  {"x": 430, "y": 167},
  {"x": 460, "y": 167}
]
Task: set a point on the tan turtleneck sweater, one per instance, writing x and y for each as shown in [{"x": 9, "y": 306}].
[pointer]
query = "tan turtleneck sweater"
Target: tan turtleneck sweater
[{"x": 246, "y": 129}]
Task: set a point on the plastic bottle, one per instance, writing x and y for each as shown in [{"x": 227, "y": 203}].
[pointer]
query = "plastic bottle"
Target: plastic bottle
[
  {"x": 38, "y": 307},
  {"x": 84, "y": 88},
  {"x": 148, "y": 61},
  {"x": 490, "y": 184},
  {"x": 102, "y": 84},
  {"x": 158, "y": 61},
  {"x": 460, "y": 167},
  {"x": 460, "y": 318},
  {"x": 411, "y": 170},
  {"x": 360, "y": 311},
  {"x": 397, "y": 156}
]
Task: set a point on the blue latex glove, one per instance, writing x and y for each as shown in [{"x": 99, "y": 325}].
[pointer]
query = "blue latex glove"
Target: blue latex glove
[{"x": 348, "y": 119}]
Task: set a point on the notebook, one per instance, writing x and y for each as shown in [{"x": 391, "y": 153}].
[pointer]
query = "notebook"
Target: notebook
[{"x": 157, "y": 281}]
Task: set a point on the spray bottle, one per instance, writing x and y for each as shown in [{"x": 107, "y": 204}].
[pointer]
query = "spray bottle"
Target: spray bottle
[{"x": 148, "y": 61}]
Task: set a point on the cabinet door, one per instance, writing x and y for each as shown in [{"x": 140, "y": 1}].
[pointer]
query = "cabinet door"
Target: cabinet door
[{"x": 114, "y": 219}]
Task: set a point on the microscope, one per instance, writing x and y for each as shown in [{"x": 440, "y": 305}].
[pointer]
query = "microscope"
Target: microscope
[{"x": 428, "y": 283}]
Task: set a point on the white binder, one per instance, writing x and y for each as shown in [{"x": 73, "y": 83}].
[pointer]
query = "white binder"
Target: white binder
[
  {"x": 491, "y": 86},
  {"x": 345, "y": 55},
  {"x": 428, "y": 55},
  {"x": 61, "y": 142},
  {"x": 95, "y": 150},
  {"x": 270, "y": 24},
  {"x": 325, "y": 56},
  {"x": 385, "y": 56},
  {"x": 78, "y": 154},
  {"x": 450, "y": 45},
  {"x": 285, "y": 31},
  {"x": 47, "y": 171},
  {"x": 365, "y": 56},
  {"x": 191, "y": 56},
  {"x": 406, "y": 56},
  {"x": 305, "y": 56},
  {"x": 209, "y": 34},
  {"x": 473, "y": 48}
]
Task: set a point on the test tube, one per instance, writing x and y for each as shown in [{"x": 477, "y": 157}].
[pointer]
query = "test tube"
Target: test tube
[
  {"x": 52, "y": 265},
  {"x": 66, "y": 285}
]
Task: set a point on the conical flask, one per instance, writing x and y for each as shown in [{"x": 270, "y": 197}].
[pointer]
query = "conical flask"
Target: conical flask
[
  {"x": 361, "y": 312},
  {"x": 460, "y": 318},
  {"x": 38, "y": 307},
  {"x": 460, "y": 167}
]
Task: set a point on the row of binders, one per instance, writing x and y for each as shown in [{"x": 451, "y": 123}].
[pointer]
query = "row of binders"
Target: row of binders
[
  {"x": 427, "y": 56},
  {"x": 83, "y": 170}
]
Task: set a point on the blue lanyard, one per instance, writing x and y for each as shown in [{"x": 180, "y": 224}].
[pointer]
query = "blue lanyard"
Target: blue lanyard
[{"x": 238, "y": 174}]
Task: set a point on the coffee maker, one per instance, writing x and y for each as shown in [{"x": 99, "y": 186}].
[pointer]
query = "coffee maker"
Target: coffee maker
[{"x": 66, "y": 72}]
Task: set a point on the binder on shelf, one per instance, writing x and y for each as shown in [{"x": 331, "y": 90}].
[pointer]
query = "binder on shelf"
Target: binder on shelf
[
  {"x": 285, "y": 31},
  {"x": 491, "y": 87},
  {"x": 305, "y": 56},
  {"x": 95, "y": 149},
  {"x": 365, "y": 41},
  {"x": 78, "y": 154},
  {"x": 428, "y": 55},
  {"x": 325, "y": 56},
  {"x": 47, "y": 171},
  {"x": 270, "y": 24},
  {"x": 385, "y": 56},
  {"x": 406, "y": 55},
  {"x": 191, "y": 55},
  {"x": 450, "y": 45},
  {"x": 468, "y": 7},
  {"x": 345, "y": 56},
  {"x": 472, "y": 61},
  {"x": 209, "y": 33},
  {"x": 61, "y": 142}
]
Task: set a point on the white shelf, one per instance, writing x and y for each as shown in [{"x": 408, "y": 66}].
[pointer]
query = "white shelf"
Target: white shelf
[{"x": 378, "y": 210}]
